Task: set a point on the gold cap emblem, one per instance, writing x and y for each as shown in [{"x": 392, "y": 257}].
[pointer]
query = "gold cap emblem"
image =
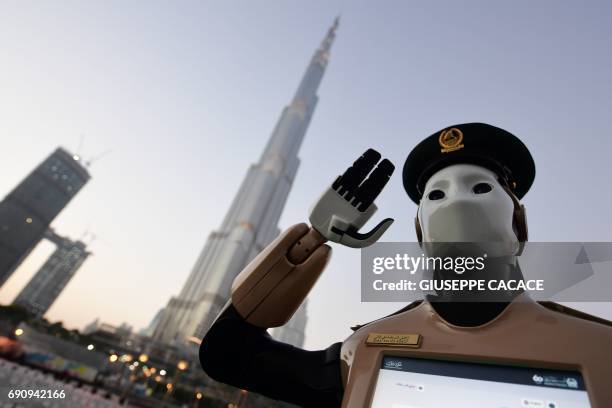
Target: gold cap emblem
[{"x": 450, "y": 140}]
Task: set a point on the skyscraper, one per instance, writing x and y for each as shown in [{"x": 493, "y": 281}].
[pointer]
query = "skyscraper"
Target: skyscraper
[
  {"x": 150, "y": 328},
  {"x": 47, "y": 284},
  {"x": 252, "y": 220},
  {"x": 27, "y": 211}
]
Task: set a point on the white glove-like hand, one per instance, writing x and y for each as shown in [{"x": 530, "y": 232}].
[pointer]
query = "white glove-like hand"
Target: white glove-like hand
[{"x": 349, "y": 203}]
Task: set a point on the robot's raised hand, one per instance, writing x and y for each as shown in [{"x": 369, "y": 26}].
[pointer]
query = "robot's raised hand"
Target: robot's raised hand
[{"x": 349, "y": 203}]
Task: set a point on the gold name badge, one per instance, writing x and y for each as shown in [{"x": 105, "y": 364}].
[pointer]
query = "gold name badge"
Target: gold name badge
[{"x": 395, "y": 340}]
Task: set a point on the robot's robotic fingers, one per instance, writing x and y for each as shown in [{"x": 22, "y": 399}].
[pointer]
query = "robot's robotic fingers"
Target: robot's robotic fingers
[
  {"x": 347, "y": 183},
  {"x": 349, "y": 203},
  {"x": 371, "y": 187}
]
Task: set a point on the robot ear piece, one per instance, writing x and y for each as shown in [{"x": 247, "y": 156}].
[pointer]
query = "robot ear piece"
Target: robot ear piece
[
  {"x": 520, "y": 217},
  {"x": 520, "y": 223},
  {"x": 520, "y": 226},
  {"x": 419, "y": 231}
]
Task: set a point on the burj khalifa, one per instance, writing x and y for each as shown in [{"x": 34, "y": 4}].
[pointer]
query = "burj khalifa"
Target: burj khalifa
[{"x": 252, "y": 220}]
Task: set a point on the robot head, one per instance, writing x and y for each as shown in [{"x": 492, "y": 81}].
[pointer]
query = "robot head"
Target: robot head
[
  {"x": 467, "y": 180},
  {"x": 467, "y": 203}
]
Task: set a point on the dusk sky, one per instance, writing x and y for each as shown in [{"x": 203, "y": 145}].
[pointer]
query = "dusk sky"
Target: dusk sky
[{"x": 186, "y": 94}]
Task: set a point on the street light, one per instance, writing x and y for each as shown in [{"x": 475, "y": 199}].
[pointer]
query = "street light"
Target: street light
[
  {"x": 182, "y": 365},
  {"x": 18, "y": 332},
  {"x": 113, "y": 358},
  {"x": 90, "y": 347},
  {"x": 143, "y": 358}
]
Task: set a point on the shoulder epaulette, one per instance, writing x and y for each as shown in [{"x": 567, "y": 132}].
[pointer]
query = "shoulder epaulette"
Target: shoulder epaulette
[{"x": 573, "y": 312}]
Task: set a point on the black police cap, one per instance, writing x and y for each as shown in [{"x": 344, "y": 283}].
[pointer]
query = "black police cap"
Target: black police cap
[{"x": 470, "y": 143}]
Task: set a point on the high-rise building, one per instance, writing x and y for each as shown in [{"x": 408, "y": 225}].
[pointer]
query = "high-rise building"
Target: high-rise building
[
  {"x": 294, "y": 331},
  {"x": 252, "y": 220},
  {"x": 91, "y": 327},
  {"x": 27, "y": 211},
  {"x": 150, "y": 329},
  {"x": 47, "y": 284}
]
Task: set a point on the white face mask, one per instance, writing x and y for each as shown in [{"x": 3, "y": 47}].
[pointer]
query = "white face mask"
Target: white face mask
[{"x": 466, "y": 203}]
